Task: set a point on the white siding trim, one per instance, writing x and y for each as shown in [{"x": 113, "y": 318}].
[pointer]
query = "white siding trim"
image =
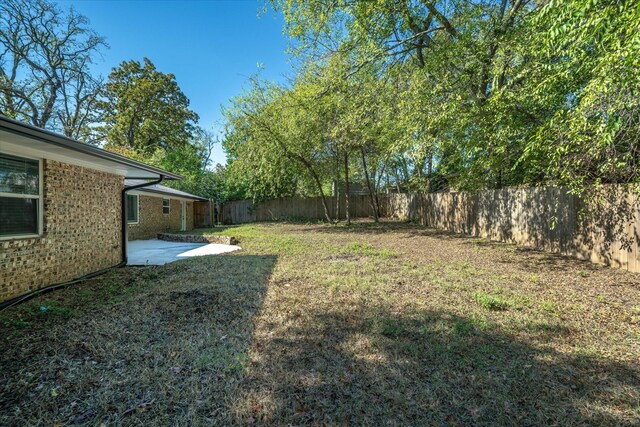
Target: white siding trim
[
  {"x": 28, "y": 152},
  {"x": 137, "y": 221},
  {"x": 40, "y": 198}
]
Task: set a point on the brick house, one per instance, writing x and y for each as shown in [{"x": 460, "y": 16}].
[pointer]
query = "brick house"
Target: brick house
[
  {"x": 156, "y": 209},
  {"x": 62, "y": 207}
]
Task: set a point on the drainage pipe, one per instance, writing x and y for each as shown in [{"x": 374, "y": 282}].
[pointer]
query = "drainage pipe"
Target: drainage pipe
[
  {"x": 24, "y": 297},
  {"x": 32, "y": 294}
]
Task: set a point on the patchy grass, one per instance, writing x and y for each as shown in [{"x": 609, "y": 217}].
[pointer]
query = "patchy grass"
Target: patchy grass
[
  {"x": 365, "y": 249},
  {"x": 388, "y": 324},
  {"x": 142, "y": 346},
  {"x": 492, "y": 302}
]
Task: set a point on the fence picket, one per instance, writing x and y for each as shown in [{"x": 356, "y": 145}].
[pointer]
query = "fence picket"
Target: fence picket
[{"x": 544, "y": 218}]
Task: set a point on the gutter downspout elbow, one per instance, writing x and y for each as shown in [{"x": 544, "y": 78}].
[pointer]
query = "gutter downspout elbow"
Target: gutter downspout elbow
[
  {"x": 124, "y": 223},
  {"x": 21, "y": 298}
]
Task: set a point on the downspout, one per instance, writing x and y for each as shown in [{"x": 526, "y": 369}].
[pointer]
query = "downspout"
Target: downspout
[
  {"x": 24, "y": 297},
  {"x": 32, "y": 294},
  {"x": 125, "y": 225}
]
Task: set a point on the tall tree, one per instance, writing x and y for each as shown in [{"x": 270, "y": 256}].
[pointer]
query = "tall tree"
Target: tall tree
[
  {"x": 438, "y": 94},
  {"x": 586, "y": 74},
  {"x": 145, "y": 109},
  {"x": 464, "y": 52},
  {"x": 45, "y": 58},
  {"x": 275, "y": 135}
]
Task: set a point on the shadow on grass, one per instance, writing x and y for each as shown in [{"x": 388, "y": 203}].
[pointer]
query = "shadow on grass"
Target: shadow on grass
[
  {"x": 162, "y": 346},
  {"x": 365, "y": 226},
  {"x": 531, "y": 259},
  {"x": 385, "y": 226},
  {"x": 373, "y": 367},
  {"x": 535, "y": 259}
]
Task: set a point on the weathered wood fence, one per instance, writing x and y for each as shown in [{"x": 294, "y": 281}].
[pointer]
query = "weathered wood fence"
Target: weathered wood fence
[
  {"x": 202, "y": 213},
  {"x": 548, "y": 218},
  {"x": 243, "y": 211}
]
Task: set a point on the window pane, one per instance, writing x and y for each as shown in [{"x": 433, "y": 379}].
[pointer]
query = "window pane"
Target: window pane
[
  {"x": 132, "y": 208},
  {"x": 166, "y": 206},
  {"x": 18, "y": 175},
  {"x": 18, "y": 216}
]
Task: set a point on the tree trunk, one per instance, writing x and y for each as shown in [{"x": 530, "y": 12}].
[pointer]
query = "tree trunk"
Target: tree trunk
[
  {"x": 308, "y": 165},
  {"x": 429, "y": 171},
  {"x": 337, "y": 187},
  {"x": 376, "y": 191},
  {"x": 397, "y": 180},
  {"x": 337, "y": 201},
  {"x": 327, "y": 215},
  {"x": 325, "y": 205},
  {"x": 346, "y": 187},
  {"x": 405, "y": 170},
  {"x": 374, "y": 206},
  {"x": 316, "y": 179}
]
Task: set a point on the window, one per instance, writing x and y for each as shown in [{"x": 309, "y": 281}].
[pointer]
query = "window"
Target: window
[
  {"x": 132, "y": 208},
  {"x": 20, "y": 196},
  {"x": 166, "y": 206}
]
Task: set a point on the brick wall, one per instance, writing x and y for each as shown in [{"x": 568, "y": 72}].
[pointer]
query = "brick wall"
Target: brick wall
[
  {"x": 152, "y": 221},
  {"x": 81, "y": 231}
]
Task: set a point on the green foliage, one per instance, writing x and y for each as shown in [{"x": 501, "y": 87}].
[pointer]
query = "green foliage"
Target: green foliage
[
  {"x": 145, "y": 110},
  {"x": 423, "y": 88},
  {"x": 147, "y": 117},
  {"x": 587, "y": 68},
  {"x": 275, "y": 140},
  {"x": 467, "y": 95},
  {"x": 213, "y": 184},
  {"x": 404, "y": 95},
  {"x": 366, "y": 249},
  {"x": 492, "y": 302}
]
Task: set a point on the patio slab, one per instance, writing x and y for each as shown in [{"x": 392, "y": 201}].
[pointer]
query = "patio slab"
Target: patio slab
[{"x": 160, "y": 252}]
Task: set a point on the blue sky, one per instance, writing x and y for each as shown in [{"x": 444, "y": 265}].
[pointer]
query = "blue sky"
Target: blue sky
[{"x": 212, "y": 46}]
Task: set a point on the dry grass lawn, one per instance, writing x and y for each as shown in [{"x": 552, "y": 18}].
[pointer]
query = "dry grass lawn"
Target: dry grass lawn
[{"x": 389, "y": 324}]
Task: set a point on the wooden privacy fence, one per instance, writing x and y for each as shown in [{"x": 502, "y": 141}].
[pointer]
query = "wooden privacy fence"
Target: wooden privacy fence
[
  {"x": 546, "y": 218},
  {"x": 243, "y": 211},
  {"x": 202, "y": 214}
]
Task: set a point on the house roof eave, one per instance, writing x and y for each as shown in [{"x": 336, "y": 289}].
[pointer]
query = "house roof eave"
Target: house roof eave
[{"x": 22, "y": 129}]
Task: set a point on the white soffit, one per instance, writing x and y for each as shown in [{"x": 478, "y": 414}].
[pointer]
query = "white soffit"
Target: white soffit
[{"x": 11, "y": 143}]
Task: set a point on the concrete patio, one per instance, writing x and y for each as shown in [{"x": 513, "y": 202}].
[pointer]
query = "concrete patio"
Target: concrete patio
[{"x": 160, "y": 252}]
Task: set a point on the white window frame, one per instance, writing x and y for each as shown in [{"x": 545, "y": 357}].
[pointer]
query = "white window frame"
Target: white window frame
[
  {"x": 183, "y": 215},
  {"x": 137, "y": 221},
  {"x": 39, "y": 196},
  {"x": 168, "y": 207}
]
